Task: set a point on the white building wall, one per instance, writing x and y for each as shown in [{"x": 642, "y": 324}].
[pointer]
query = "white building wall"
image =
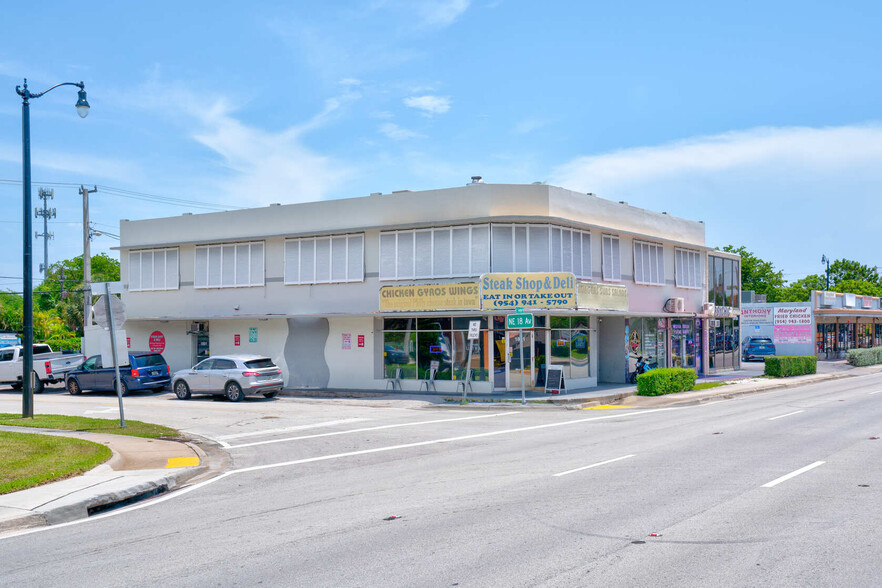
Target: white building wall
[
  {"x": 353, "y": 367},
  {"x": 271, "y": 337}
]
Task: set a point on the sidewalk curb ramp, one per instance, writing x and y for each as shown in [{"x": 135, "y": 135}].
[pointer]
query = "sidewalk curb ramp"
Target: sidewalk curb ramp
[{"x": 103, "y": 488}]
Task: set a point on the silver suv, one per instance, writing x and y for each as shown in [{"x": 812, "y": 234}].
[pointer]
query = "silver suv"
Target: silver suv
[{"x": 235, "y": 376}]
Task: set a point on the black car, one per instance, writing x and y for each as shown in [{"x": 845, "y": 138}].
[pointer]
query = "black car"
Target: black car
[{"x": 146, "y": 371}]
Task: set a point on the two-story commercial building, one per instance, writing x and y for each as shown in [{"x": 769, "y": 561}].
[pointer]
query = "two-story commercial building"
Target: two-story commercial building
[{"x": 347, "y": 294}]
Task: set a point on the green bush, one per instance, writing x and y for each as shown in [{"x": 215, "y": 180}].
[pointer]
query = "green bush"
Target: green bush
[
  {"x": 665, "y": 381},
  {"x": 791, "y": 365},
  {"x": 859, "y": 357}
]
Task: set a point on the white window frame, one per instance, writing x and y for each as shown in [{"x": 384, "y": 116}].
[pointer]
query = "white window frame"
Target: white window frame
[
  {"x": 177, "y": 270},
  {"x": 220, "y": 248},
  {"x": 687, "y": 271},
  {"x": 473, "y": 270},
  {"x": 583, "y": 273},
  {"x": 655, "y": 253},
  {"x": 611, "y": 270},
  {"x": 350, "y": 238}
]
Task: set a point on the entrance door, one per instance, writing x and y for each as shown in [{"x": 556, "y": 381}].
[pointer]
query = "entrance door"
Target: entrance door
[{"x": 514, "y": 368}]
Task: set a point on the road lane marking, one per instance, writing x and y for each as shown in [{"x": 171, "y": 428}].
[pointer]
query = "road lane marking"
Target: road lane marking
[
  {"x": 182, "y": 462},
  {"x": 365, "y": 429},
  {"x": 794, "y": 474},
  {"x": 781, "y": 416},
  {"x": 187, "y": 489},
  {"x": 102, "y": 411},
  {"x": 223, "y": 439},
  {"x": 876, "y": 392},
  {"x": 593, "y": 465}
]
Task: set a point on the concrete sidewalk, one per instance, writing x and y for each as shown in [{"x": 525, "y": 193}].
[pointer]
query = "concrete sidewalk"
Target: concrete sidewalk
[{"x": 139, "y": 468}]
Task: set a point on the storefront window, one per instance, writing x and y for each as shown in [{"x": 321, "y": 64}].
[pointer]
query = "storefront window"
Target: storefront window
[
  {"x": 646, "y": 340},
  {"x": 864, "y": 336},
  {"x": 826, "y": 339},
  {"x": 418, "y": 345},
  {"x": 685, "y": 342},
  {"x": 399, "y": 351},
  {"x": 878, "y": 341},
  {"x": 846, "y": 336},
  {"x": 560, "y": 344}
]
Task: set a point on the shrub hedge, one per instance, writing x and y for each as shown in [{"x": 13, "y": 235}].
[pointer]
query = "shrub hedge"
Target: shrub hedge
[
  {"x": 791, "y": 365},
  {"x": 859, "y": 357},
  {"x": 665, "y": 381}
]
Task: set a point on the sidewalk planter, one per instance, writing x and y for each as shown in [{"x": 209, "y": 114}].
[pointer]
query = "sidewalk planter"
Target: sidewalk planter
[
  {"x": 791, "y": 365},
  {"x": 665, "y": 381},
  {"x": 861, "y": 357}
]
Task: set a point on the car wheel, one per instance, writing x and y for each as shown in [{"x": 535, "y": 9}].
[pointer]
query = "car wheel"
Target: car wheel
[
  {"x": 269, "y": 394},
  {"x": 124, "y": 389},
  {"x": 38, "y": 384},
  {"x": 73, "y": 387},
  {"x": 182, "y": 390},
  {"x": 234, "y": 392}
]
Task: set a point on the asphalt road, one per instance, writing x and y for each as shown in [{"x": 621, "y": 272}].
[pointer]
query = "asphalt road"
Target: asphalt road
[{"x": 779, "y": 489}]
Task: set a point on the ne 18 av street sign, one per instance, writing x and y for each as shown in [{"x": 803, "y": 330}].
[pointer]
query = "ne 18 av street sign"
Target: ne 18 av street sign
[{"x": 519, "y": 321}]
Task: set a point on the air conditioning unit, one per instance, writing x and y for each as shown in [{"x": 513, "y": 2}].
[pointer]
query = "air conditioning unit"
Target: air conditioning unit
[
  {"x": 679, "y": 305},
  {"x": 197, "y": 327},
  {"x": 709, "y": 308}
]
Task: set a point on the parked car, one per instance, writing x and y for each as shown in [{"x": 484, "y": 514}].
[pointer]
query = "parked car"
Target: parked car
[
  {"x": 48, "y": 366},
  {"x": 146, "y": 371},
  {"x": 395, "y": 355},
  {"x": 757, "y": 348},
  {"x": 234, "y": 376}
]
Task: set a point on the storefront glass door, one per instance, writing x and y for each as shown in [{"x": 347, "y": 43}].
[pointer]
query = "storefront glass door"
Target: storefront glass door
[{"x": 518, "y": 343}]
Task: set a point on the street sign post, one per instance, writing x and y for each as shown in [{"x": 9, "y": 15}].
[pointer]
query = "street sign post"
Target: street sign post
[
  {"x": 474, "y": 334},
  {"x": 522, "y": 320}
]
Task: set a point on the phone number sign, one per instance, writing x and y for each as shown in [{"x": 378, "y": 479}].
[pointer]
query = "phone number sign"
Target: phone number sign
[{"x": 528, "y": 290}]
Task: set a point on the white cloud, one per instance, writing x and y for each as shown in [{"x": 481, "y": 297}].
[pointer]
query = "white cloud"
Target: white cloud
[
  {"x": 393, "y": 131},
  {"x": 528, "y": 125},
  {"x": 440, "y": 14},
  {"x": 428, "y": 104},
  {"x": 805, "y": 147},
  {"x": 87, "y": 166}
]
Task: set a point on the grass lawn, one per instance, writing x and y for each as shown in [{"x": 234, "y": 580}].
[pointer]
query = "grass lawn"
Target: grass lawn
[
  {"x": 706, "y": 385},
  {"x": 70, "y": 423},
  {"x": 28, "y": 460}
]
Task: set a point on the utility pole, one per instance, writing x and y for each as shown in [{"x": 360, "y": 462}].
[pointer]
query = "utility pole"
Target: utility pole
[
  {"x": 46, "y": 213},
  {"x": 87, "y": 259}
]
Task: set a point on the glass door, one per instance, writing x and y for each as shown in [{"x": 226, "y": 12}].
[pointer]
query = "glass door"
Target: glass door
[{"x": 514, "y": 366}]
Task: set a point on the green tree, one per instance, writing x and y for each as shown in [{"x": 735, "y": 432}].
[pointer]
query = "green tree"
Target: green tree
[
  {"x": 11, "y": 310},
  {"x": 68, "y": 305},
  {"x": 842, "y": 270},
  {"x": 862, "y": 287},
  {"x": 758, "y": 275},
  {"x": 801, "y": 290}
]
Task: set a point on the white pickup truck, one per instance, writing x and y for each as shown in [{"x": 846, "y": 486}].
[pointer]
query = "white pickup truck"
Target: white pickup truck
[{"x": 49, "y": 366}]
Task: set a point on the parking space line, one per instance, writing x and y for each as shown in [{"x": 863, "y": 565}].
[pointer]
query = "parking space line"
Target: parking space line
[
  {"x": 794, "y": 474},
  {"x": 876, "y": 392},
  {"x": 287, "y": 429},
  {"x": 781, "y": 416},
  {"x": 593, "y": 465}
]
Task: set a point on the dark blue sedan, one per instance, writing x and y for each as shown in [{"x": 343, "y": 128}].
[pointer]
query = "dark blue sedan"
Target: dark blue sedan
[{"x": 146, "y": 371}]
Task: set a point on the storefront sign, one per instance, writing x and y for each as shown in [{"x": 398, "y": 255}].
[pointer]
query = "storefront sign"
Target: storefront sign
[
  {"x": 725, "y": 311},
  {"x": 252, "y": 335},
  {"x": 429, "y": 297},
  {"x": 828, "y": 298},
  {"x": 347, "y": 341},
  {"x": 602, "y": 296},
  {"x": 757, "y": 316},
  {"x": 793, "y": 315},
  {"x": 866, "y": 302},
  {"x": 793, "y": 334},
  {"x": 529, "y": 290},
  {"x": 156, "y": 342},
  {"x": 128, "y": 342},
  {"x": 237, "y": 339},
  {"x": 435, "y": 349},
  {"x": 361, "y": 341}
]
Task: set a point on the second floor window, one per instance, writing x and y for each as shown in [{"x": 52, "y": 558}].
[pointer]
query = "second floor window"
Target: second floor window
[
  {"x": 612, "y": 261},
  {"x": 153, "y": 269},
  {"x": 649, "y": 263},
  {"x": 443, "y": 252},
  {"x": 229, "y": 265},
  {"x": 322, "y": 260},
  {"x": 687, "y": 268}
]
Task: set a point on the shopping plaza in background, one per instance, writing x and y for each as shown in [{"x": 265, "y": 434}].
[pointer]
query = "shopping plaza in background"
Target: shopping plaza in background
[{"x": 350, "y": 293}]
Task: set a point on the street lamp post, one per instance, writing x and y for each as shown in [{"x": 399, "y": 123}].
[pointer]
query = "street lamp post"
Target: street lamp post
[
  {"x": 27, "y": 384},
  {"x": 825, "y": 259}
]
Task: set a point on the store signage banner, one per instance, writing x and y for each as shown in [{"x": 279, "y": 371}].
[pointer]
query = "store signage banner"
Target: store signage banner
[
  {"x": 793, "y": 315},
  {"x": 429, "y": 297},
  {"x": 347, "y": 340},
  {"x": 528, "y": 290},
  {"x": 793, "y": 334},
  {"x": 757, "y": 316},
  {"x": 602, "y": 296}
]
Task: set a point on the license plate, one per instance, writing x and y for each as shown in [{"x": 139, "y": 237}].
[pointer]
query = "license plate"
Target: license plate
[
  {"x": 154, "y": 373},
  {"x": 268, "y": 377}
]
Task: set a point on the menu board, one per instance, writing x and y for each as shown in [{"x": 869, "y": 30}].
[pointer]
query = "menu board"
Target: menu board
[{"x": 554, "y": 380}]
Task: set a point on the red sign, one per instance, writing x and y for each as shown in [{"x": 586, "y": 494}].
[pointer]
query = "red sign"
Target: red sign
[
  {"x": 237, "y": 339},
  {"x": 361, "y": 340},
  {"x": 128, "y": 342},
  {"x": 157, "y": 342}
]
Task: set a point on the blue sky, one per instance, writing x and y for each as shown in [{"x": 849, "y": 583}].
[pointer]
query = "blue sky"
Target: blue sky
[{"x": 760, "y": 118}]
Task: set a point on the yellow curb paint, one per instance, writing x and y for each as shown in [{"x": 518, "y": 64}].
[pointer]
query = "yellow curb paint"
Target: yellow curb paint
[
  {"x": 182, "y": 462},
  {"x": 605, "y": 406}
]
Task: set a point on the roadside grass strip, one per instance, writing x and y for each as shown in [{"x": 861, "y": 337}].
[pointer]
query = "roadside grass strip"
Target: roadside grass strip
[
  {"x": 28, "y": 460},
  {"x": 593, "y": 465},
  {"x": 777, "y": 481},
  {"x": 90, "y": 425}
]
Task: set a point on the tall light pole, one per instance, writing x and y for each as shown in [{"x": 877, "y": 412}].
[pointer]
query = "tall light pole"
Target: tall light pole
[{"x": 27, "y": 384}]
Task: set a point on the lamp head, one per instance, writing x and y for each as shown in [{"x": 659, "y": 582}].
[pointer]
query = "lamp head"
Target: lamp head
[{"x": 82, "y": 104}]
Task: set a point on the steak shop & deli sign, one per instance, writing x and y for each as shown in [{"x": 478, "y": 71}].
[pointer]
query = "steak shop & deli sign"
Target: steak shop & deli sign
[{"x": 528, "y": 290}]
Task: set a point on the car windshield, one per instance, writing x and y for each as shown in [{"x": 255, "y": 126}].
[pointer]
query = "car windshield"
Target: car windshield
[
  {"x": 149, "y": 360},
  {"x": 259, "y": 363}
]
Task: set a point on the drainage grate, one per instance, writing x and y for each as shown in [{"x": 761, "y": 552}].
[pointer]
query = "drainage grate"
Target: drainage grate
[{"x": 102, "y": 508}]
